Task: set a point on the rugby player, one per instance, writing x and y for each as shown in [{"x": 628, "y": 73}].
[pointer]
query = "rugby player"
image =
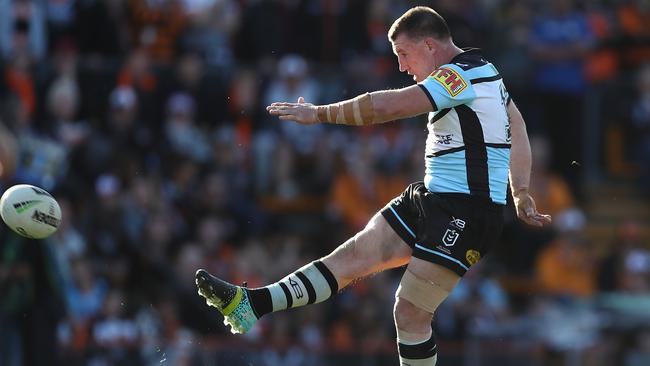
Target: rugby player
[{"x": 438, "y": 227}]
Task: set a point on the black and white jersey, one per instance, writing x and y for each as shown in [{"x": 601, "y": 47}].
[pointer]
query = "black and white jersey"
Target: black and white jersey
[{"x": 468, "y": 146}]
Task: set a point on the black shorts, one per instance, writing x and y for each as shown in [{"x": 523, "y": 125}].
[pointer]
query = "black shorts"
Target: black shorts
[{"x": 453, "y": 230}]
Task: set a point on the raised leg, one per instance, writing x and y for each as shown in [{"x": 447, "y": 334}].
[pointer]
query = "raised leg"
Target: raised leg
[{"x": 375, "y": 248}]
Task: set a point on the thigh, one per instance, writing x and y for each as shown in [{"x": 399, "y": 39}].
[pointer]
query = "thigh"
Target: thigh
[{"x": 375, "y": 248}]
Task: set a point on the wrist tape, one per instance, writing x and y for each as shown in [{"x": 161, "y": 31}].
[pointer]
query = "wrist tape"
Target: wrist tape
[{"x": 358, "y": 111}]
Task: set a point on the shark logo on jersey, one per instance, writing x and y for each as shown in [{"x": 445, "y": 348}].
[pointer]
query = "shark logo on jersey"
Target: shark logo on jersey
[{"x": 450, "y": 79}]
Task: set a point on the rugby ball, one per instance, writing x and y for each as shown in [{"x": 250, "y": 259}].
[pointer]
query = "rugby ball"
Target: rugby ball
[{"x": 30, "y": 211}]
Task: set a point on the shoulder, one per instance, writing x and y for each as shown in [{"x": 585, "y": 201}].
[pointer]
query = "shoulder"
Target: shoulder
[
  {"x": 473, "y": 66},
  {"x": 469, "y": 59}
]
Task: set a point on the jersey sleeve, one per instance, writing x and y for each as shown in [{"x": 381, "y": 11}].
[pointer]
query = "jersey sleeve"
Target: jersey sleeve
[{"x": 447, "y": 87}]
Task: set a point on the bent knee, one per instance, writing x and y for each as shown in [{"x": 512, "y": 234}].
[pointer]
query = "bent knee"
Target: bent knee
[
  {"x": 411, "y": 318},
  {"x": 421, "y": 293}
]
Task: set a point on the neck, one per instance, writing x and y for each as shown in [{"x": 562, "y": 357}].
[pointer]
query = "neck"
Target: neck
[{"x": 449, "y": 51}]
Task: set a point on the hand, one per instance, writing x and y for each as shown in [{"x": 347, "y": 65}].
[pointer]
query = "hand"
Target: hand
[
  {"x": 300, "y": 112},
  {"x": 527, "y": 211}
]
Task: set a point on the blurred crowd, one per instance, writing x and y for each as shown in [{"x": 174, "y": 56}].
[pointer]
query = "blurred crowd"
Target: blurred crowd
[{"x": 145, "y": 119}]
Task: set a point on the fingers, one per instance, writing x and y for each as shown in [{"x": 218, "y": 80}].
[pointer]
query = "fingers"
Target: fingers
[
  {"x": 545, "y": 219},
  {"x": 535, "y": 218},
  {"x": 538, "y": 217},
  {"x": 282, "y": 113},
  {"x": 280, "y": 109},
  {"x": 282, "y": 104},
  {"x": 533, "y": 221},
  {"x": 277, "y": 111}
]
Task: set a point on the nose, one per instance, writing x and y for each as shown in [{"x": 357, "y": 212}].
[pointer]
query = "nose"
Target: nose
[{"x": 403, "y": 66}]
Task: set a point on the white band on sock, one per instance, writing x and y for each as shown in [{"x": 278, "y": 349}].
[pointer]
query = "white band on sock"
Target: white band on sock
[
  {"x": 416, "y": 349},
  {"x": 425, "y": 362},
  {"x": 304, "y": 286},
  {"x": 318, "y": 281},
  {"x": 278, "y": 300}
]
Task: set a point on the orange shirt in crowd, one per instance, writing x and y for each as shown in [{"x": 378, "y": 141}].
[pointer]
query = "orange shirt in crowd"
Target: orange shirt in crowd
[
  {"x": 551, "y": 192},
  {"x": 358, "y": 204},
  {"x": 566, "y": 269},
  {"x": 22, "y": 84},
  {"x": 635, "y": 25},
  {"x": 157, "y": 27}
]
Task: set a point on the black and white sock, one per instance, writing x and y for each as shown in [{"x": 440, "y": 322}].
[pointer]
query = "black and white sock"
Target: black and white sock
[
  {"x": 418, "y": 353},
  {"x": 310, "y": 284}
]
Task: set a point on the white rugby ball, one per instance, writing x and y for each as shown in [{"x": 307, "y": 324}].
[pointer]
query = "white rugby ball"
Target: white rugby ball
[{"x": 30, "y": 211}]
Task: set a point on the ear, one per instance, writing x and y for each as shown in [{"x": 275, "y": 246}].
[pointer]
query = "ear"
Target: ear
[{"x": 431, "y": 44}]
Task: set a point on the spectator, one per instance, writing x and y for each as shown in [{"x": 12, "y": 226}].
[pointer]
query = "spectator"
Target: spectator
[
  {"x": 633, "y": 19},
  {"x": 63, "y": 100},
  {"x": 22, "y": 29},
  {"x": 156, "y": 26},
  {"x": 85, "y": 293},
  {"x": 122, "y": 131},
  {"x": 8, "y": 149},
  {"x": 67, "y": 243},
  {"x": 20, "y": 81},
  {"x": 550, "y": 189},
  {"x": 32, "y": 303},
  {"x": 138, "y": 73},
  {"x": 566, "y": 267},
  {"x": 510, "y": 43},
  {"x": 293, "y": 81},
  {"x": 181, "y": 130},
  {"x": 360, "y": 188},
  {"x": 626, "y": 268},
  {"x": 165, "y": 338},
  {"x": 61, "y": 17},
  {"x": 211, "y": 28},
  {"x": 114, "y": 333},
  {"x": 208, "y": 89},
  {"x": 42, "y": 159},
  {"x": 477, "y": 305},
  {"x": 559, "y": 41},
  {"x": 640, "y": 129}
]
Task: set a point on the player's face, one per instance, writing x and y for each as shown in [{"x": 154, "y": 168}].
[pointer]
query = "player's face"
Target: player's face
[{"x": 415, "y": 56}]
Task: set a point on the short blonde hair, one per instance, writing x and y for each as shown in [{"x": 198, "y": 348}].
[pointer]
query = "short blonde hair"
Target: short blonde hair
[{"x": 418, "y": 22}]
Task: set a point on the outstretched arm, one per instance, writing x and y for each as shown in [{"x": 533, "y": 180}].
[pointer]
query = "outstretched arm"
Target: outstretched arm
[
  {"x": 520, "y": 166},
  {"x": 370, "y": 108}
]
